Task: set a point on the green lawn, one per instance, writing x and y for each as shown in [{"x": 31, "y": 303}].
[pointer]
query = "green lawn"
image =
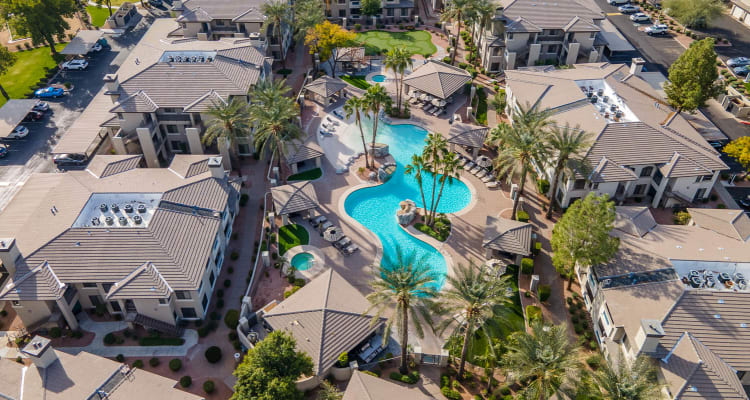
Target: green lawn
[
  {"x": 482, "y": 106},
  {"x": 98, "y": 14},
  {"x": 357, "y": 81},
  {"x": 290, "y": 236},
  {"x": 30, "y": 67},
  {"x": 308, "y": 175},
  {"x": 377, "y": 42}
]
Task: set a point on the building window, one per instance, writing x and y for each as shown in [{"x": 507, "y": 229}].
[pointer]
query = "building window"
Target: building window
[
  {"x": 204, "y": 302},
  {"x": 115, "y": 306},
  {"x": 89, "y": 285},
  {"x": 703, "y": 178},
  {"x": 594, "y": 185},
  {"x": 16, "y": 303},
  {"x": 510, "y": 36},
  {"x": 342, "y": 13},
  {"x": 606, "y": 319},
  {"x": 243, "y": 148},
  {"x": 592, "y": 35},
  {"x": 211, "y": 278},
  {"x": 69, "y": 294},
  {"x": 169, "y": 110},
  {"x": 639, "y": 189},
  {"x": 182, "y": 295},
  {"x": 95, "y": 300},
  {"x": 188, "y": 313},
  {"x": 172, "y": 129},
  {"x": 162, "y": 301},
  {"x": 552, "y": 48},
  {"x": 579, "y": 184},
  {"x": 178, "y": 146},
  {"x": 106, "y": 287},
  {"x": 389, "y": 12},
  {"x": 647, "y": 171}
]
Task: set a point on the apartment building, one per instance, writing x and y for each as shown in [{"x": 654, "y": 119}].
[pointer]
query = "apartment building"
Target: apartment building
[
  {"x": 642, "y": 151},
  {"x": 533, "y": 32},
  {"x": 144, "y": 243},
  {"x": 392, "y": 11},
  {"x": 217, "y": 19},
  {"x": 157, "y": 102},
  {"x": 677, "y": 294},
  {"x": 741, "y": 11}
]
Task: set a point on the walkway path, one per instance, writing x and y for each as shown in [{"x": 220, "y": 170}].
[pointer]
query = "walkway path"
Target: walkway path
[{"x": 101, "y": 329}]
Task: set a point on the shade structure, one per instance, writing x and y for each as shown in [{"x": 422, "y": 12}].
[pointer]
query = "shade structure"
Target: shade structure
[
  {"x": 438, "y": 79},
  {"x": 332, "y": 234},
  {"x": 484, "y": 161}
]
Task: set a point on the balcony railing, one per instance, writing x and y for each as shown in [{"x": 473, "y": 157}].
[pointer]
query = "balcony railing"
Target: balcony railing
[{"x": 173, "y": 117}]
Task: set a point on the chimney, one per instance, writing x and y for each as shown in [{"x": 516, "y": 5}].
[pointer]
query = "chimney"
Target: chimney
[
  {"x": 648, "y": 336},
  {"x": 40, "y": 352},
  {"x": 216, "y": 167},
  {"x": 9, "y": 254},
  {"x": 636, "y": 66},
  {"x": 112, "y": 83},
  {"x": 499, "y": 12}
]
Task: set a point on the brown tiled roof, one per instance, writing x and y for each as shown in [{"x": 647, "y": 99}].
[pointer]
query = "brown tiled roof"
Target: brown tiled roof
[
  {"x": 732, "y": 223},
  {"x": 636, "y": 221},
  {"x": 103, "y": 166},
  {"x": 367, "y": 387},
  {"x": 298, "y": 152},
  {"x": 467, "y": 135},
  {"x": 190, "y": 165},
  {"x": 209, "y": 194},
  {"x": 608, "y": 171},
  {"x": 507, "y": 235},
  {"x": 326, "y": 86},
  {"x": 145, "y": 282},
  {"x": 39, "y": 283},
  {"x": 549, "y": 15},
  {"x": 235, "y": 10},
  {"x": 294, "y": 197},
  {"x": 437, "y": 78}
]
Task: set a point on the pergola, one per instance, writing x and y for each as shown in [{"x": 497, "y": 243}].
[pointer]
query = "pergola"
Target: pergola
[
  {"x": 82, "y": 43},
  {"x": 297, "y": 153},
  {"x": 437, "y": 79},
  {"x": 325, "y": 87},
  {"x": 294, "y": 198},
  {"x": 12, "y": 113},
  {"x": 508, "y": 237},
  {"x": 467, "y": 135}
]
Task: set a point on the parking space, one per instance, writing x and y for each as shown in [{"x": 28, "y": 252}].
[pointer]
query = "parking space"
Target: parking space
[{"x": 741, "y": 195}]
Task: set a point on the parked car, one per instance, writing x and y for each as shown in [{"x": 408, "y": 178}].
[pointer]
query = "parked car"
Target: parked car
[
  {"x": 33, "y": 116},
  {"x": 658, "y": 29},
  {"x": 628, "y": 9},
  {"x": 744, "y": 203},
  {"x": 738, "y": 62},
  {"x": 77, "y": 64},
  {"x": 3, "y": 150},
  {"x": 640, "y": 17},
  {"x": 742, "y": 71},
  {"x": 97, "y": 48},
  {"x": 41, "y": 106},
  {"x": 48, "y": 92},
  {"x": 155, "y": 2},
  {"x": 19, "y": 132},
  {"x": 69, "y": 159},
  {"x": 618, "y": 2}
]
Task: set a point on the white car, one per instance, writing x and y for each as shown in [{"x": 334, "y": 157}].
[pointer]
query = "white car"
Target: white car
[
  {"x": 97, "y": 48},
  {"x": 640, "y": 17},
  {"x": 659, "y": 29},
  {"x": 618, "y": 2},
  {"x": 76, "y": 64},
  {"x": 19, "y": 133}
]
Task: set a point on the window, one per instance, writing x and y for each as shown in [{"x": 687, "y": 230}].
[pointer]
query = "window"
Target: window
[
  {"x": 243, "y": 148},
  {"x": 510, "y": 36},
  {"x": 592, "y": 35},
  {"x": 162, "y": 301},
  {"x": 204, "y": 302},
  {"x": 200, "y": 287},
  {"x": 182, "y": 295},
  {"x": 178, "y": 146},
  {"x": 647, "y": 171},
  {"x": 89, "y": 285},
  {"x": 594, "y": 185},
  {"x": 606, "y": 319},
  {"x": 69, "y": 294},
  {"x": 169, "y": 110},
  {"x": 219, "y": 22},
  {"x": 342, "y": 13},
  {"x": 172, "y": 129},
  {"x": 106, "y": 287},
  {"x": 579, "y": 184},
  {"x": 211, "y": 278},
  {"x": 16, "y": 303},
  {"x": 494, "y": 66},
  {"x": 95, "y": 300},
  {"x": 552, "y": 48},
  {"x": 115, "y": 306},
  {"x": 188, "y": 313},
  {"x": 639, "y": 189},
  {"x": 703, "y": 178}
]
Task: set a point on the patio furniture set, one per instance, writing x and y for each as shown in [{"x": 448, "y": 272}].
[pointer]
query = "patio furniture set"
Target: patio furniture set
[
  {"x": 479, "y": 168},
  {"x": 371, "y": 349},
  {"x": 333, "y": 234},
  {"x": 429, "y": 104}
]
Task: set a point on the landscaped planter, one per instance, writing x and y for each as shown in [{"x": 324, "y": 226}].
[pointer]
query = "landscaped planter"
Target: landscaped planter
[{"x": 341, "y": 374}]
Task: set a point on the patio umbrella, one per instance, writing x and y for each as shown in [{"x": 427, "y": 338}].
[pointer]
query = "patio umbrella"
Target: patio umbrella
[
  {"x": 484, "y": 161},
  {"x": 436, "y": 102},
  {"x": 423, "y": 97},
  {"x": 332, "y": 234}
]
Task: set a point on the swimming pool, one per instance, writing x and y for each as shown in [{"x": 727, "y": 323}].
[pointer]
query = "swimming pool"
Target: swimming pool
[
  {"x": 378, "y": 78},
  {"x": 375, "y": 207},
  {"x": 302, "y": 261}
]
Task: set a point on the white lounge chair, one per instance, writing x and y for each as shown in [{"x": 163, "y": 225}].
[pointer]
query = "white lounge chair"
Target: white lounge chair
[
  {"x": 330, "y": 120},
  {"x": 325, "y": 133},
  {"x": 491, "y": 185},
  {"x": 488, "y": 178},
  {"x": 481, "y": 173},
  {"x": 469, "y": 166},
  {"x": 475, "y": 169}
]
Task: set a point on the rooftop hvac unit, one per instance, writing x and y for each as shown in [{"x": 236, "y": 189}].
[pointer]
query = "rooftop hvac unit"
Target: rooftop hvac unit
[
  {"x": 588, "y": 94},
  {"x": 709, "y": 281},
  {"x": 95, "y": 221},
  {"x": 594, "y": 99},
  {"x": 114, "y": 207},
  {"x": 738, "y": 276},
  {"x": 103, "y": 207},
  {"x": 724, "y": 277},
  {"x": 123, "y": 220},
  {"x": 741, "y": 284},
  {"x": 613, "y": 107},
  {"x": 141, "y": 208},
  {"x": 109, "y": 220},
  {"x": 600, "y": 92},
  {"x": 128, "y": 208},
  {"x": 696, "y": 281},
  {"x": 137, "y": 219},
  {"x": 605, "y": 99}
]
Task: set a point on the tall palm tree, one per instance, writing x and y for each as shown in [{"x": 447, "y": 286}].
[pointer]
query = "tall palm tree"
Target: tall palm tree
[
  {"x": 376, "y": 98},
  {"x": 469, "y": 301},
  {"x": 455, "y": 10},
  {"x": 416, "y": 167},
  {"x": 397, "y": 60},
  {"x": 567, "y": 145},
  {"x": 434, "y": 152},
  {"x": 356, "y": 106},
  {"x": 274, "y": 114},
  {"x": 449, "y": 168},
  {"x": 231, "y": 120},
  {"x": 628, "y": 382},
  {"x": 307, "y": 14},
  {"x": 484, "y": 10},
  {"x": 277, "y": 13},
  {"x": 545, "y": 358},
  {"x": 403, "y": 287},
  {"x": 490, "y": 360}
]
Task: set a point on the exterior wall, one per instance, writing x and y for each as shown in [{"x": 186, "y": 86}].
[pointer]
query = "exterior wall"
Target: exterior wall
[
  {"x": 519, "y": 42},
  {"x": 33, "y": 312},
  {"x": 152, "y": 309}
]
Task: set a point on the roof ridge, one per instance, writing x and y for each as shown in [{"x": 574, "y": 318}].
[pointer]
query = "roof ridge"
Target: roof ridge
[
  {"x": 242, "y": 14},
  {"x": 695, "y": 341}
]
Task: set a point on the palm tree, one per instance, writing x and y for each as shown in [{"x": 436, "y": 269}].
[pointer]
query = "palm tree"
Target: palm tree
[
  {"x": 416, "y": 167},
  {"x": 470, "y": 298},
  {"x": 545, "y": 358},
  {"x": 274, "y": 114},
  {"x": 277, "y": 13},
  {"x": 567, "y": 144},
  {"x": 108, "y": 3},
  {"x": 490, "y": 360},
  {"x": 376, "y": 98},
  {"x": 449, "y": 168},
  {"x": 397, "y": 60},
  {"x": 230, "y": 121},
  {"x": 356, "y": 106},
  {"x": 307, "y": 14},
  {"x": 485, "y": 10},
  {"x": 628, "y": 382},
  {"x": 404, "y": 287},
  {"x": 455, "y": 10},
  {"x": 434, "y": 152}
]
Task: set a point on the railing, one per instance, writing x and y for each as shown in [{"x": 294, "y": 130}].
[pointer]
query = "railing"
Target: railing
[{"x": 173, "y": 117}]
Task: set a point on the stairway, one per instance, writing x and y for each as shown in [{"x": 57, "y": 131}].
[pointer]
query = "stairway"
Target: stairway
[{"x": 155, "y": 324}]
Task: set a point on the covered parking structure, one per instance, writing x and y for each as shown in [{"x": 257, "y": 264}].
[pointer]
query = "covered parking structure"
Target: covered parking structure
[
  {"x": 82, "y": 43},
  {"x": 437, "y": 79},
  {"x": 294, "y": 198},
  {"x": 325, "y": 88},
  {"x": 470, "y": 136},
  {"x": 13, "y": 113}
]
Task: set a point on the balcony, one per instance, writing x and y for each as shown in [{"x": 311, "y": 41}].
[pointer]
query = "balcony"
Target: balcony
[
  {"x": 173, "y": 117},
  {"x": 354, "y": 4},
  {"x": 224, "y": 29}
]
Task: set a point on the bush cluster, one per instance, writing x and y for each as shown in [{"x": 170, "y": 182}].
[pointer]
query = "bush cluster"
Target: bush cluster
[
  {"x": 186, "y": 381},
  {"x": 213, "y": 354},
  {"x": 527, "y": 266},
  {"x": 544, "y": 292},
  {"x": 410, "y": 378}
]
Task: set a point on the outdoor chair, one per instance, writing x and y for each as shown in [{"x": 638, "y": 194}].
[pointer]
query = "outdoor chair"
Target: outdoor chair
[
  {"x": 491, "y": 184},
  {"x": 481, "y": 173},
  {"x": 475, "y": 169},
  {"x": 325, "y": 133},
  {"x": 469, "y": 166},
  {"x": 488, "y": 177},
  {"x": 426, "y": 106}
]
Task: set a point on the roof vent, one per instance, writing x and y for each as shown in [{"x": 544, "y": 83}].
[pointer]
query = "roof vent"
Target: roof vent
[
  {"x": 109, "y": 220},
  {"x": 717, "y": 316},
  {"x": 103, "y": 207},
  {"x": 141, "y": 208},
  {"x": 721, "y": 301},
  {"x": 743, "y": 325},
  {"x": 123, "y": 220},
  {"x": 115, "y": 207},
  {"x": 95, "y": 221},
  {"x": 137, "y": 219}
]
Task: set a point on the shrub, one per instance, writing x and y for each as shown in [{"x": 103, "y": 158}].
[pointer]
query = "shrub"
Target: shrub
[
  {"x": 504, "y": 390},
  {"x": 213, "y": 354},
  {"x": 154, "y": 362},
  {"x": 244, "y": 198},
  {"x": 533, "y": 313},
  {"x": 299, "y": 282},
  {"x": 120, "y": 358},
  {"x": 137, "y": 364},
  {"x": 721, "y": 206},
  {"x": 522, "y": 216},
  {"x": 230, "y": 270},
  {"x": 3, "y": 313},
  {"x": 594, "y": 361},
  {"x": 209, "y": 386},
  {"x": 175, "y": 364},
  {"x": 234, "y": 256},
  {"x": 232, "y": 318},
  {"x": 543, "y": 186},
  {"x": 578, "y": 329},
  {"x": 537, "y": 248},
  {"x": 186, "y": 381},
  {"x": 371, "y": 373},
  {"x": 410, "y": 378},
  {"x": 227, "y": 283},
  {"x": 55, "y": 332},
  {"x": 681, "y": 218},
  {"x": 109, "y": 339},
  {"x": 343, "y": 360},
  {"x": 527, "y": 266},
  {"x": 357, "y": 27},
  {"x": 447, "y": 59},
  {"x": 220, "y": 293},
  {"x": 527, "y": 294},
  {"x": 203, "y": 331},
  {"x": 450, "y": 394},
  {"x": 220, "y": 303},
  {"x": 544, "y": 292}
]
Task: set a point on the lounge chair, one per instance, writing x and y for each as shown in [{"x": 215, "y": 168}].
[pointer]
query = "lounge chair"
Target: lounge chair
[
  {"x": 330, "y": 120},
  {"x": 328, "y": 126},
  {"x": 325, "y": 133},
  {"x": 491, "y": 184},
  {"x": 488, "y": 177},
  {"x": 338, "y": 113},
  {"x": 475, "y": 169},
  {"x": 350, "y": 250},
  {"x": 426, "y": 106},
  {"x": 435, "y": 111},
  {"x": 481, "y": 173},
  {"x": 342, "y": 243},
  {"x": 325, "y": 225},
  {"x": 469, "y": 165}
]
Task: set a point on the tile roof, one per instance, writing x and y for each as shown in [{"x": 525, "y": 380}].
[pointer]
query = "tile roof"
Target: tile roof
[
  {"x": 299, "y": 152},
  {"x": 634, "y": 220},
  {"x": 104, "y": 166},
  {"x": 367, "y": 387},
  {"x": 208, "y": 194},
  {"x": 437, "y": 78},
  {"x": 732, "y": 223},
  {"x": 326, "y": 86},
  {"x": 190, "y": 165},
  {"x": 39, "y": 283},
  {"x": 507, "y": 235},
  {"x": 578, "y": 24},
  {"x": 145, "y": 282},
  {"x": 294, "y": 197},
  {"x": 565, "y": 12},
  {"x": 139, "y": 101},
  {"x": 522, "y": 24},
  {"x": 326, "y": 317},
  {"x": 608, "y": 171},
  {"x": 208, "y": 10},
  {"x": 467, "y": 135}
]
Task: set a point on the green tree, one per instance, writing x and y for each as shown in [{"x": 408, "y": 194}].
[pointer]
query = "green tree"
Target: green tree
[
  {"x": 376, "y": 99},
  {"x": 329, "y": 391},
  {"x": 622, "y": 381},
  {"x": 435, "y": 149},
  {"x": 107, "y": 3},
  {"x": 417, "y": 167},
  {"x": 468, "y": 304},
  {"x": 42, "y": 20},
  {"x": 694, "y": 13},
  {"x": 229, "y": 121},
  {"x": 307, "y": 14},
  {"x": 326, "y": 37},
  {"x": 7, "y": 59},
  {"x": 404, "y": 288},
  {"x": 567, "y": 146},
  {"x": 485, "y": 11},
  {"x": 271, "y": 368},
  {"x": 738, "y": 148},
  {"x": 274, "y": 114},
  {"x": 499, "y": 102},
  {"x": 490, "y": 360},
  {"x": 448, "y": 168},
  {"x": 454, "y": 11},
  {"x": 545, "y": 358},
  {"x": 397, "y": 60},
  {"x": 278, "y": 14},
  {"x": 581, "y": 237},
  {"x": 370, "y": 7},
  {"x": 356, "y": 106},
  {"x": 693, "y": 77}
]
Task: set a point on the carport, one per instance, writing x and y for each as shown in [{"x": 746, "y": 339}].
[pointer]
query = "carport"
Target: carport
[
  {"x": 13, "y": 113},
  {"x": 82, "y": 43}
]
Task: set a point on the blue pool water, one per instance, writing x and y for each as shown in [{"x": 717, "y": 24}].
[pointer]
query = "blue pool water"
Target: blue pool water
[
  {"x": 375, "y": 207},
  {"x": 378, "y": 78},
  {"x": 302, "y": 261}
]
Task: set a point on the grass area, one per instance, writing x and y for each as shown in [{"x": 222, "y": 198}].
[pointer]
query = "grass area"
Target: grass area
[
  {"x": 379, "y": 42},
  {"x": 31, "y": 66},
  {"x": 356, "y": 81},
  {"x": 98, "y": 14},
  {"x": 308, "y": 175},
  {"x": 292, "y": 235},
  {"x": 482, "y": 106}
]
